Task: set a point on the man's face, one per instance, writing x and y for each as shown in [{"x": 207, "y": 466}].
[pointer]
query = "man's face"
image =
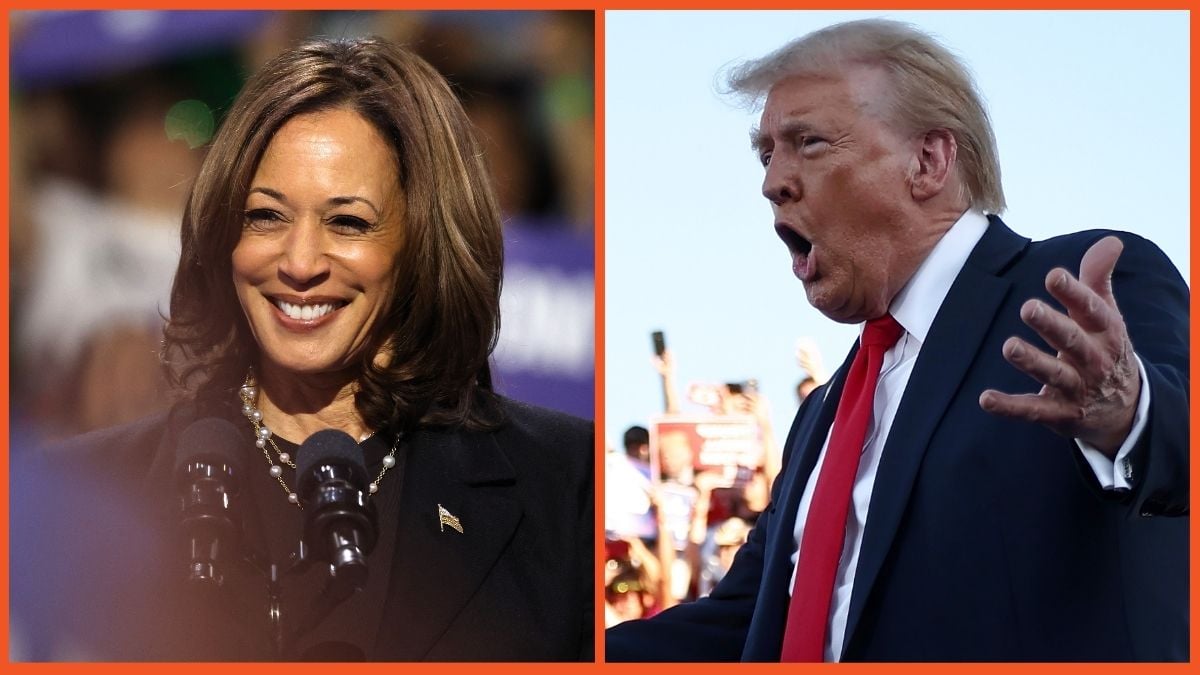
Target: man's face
[{"x": 838, "y": 178}]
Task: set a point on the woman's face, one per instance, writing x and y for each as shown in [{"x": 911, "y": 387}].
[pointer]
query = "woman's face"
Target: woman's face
[{"x": 315, "y": 264}]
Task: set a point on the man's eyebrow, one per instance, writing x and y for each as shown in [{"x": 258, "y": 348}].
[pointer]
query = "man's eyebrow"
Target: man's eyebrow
[{"x": 761, "y": 141}]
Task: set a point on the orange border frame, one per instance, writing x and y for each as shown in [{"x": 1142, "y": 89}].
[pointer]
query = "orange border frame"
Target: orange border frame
[{"x": 600, "y": 272}]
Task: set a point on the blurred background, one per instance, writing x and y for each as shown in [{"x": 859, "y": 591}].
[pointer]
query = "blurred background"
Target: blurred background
[{"x": 112, "y": 112}]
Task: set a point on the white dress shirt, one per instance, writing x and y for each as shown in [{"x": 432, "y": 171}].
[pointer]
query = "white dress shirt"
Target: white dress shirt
[{"x": 914, "y": 308}]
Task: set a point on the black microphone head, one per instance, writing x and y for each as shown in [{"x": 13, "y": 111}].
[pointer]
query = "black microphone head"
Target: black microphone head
[
  {"x": 329, "y": 446},
  {"x": 208, "y": 464},
  {"x": 340, "y": 523},
  {"x": 210, "y": 440}
]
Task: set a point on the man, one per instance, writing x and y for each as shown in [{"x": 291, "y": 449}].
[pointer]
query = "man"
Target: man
[
  {"x": 637, "y": 447},
  {"x": 966, "y": 523},
  {"x": 805, "y": 387}
]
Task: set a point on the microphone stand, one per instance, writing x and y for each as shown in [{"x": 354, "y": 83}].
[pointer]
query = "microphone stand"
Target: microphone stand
[
  {"x": 342, "y": 526},
  {"x": 275, "y": 611},
  {"x": 347, "y": 576},
  {"x": 339, "y": 587}
]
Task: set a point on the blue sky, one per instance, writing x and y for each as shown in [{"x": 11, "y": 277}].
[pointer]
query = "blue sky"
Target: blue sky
[{"x": 1090, "y": 110}]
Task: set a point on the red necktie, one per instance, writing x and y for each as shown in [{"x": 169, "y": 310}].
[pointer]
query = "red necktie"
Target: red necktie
[{"x": 825, "y": 529}]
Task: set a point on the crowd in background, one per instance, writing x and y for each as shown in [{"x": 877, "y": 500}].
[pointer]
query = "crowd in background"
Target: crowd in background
[
  {"x": 674, "y": 519},
  {"x": 111, "y": 114}
]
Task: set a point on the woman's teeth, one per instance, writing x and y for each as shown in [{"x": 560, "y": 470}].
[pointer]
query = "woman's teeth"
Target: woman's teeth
[{"x": 304, "y": 312}]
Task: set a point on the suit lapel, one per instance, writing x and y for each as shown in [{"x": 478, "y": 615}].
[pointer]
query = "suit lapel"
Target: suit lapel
[
  {"x": 437, "y": 569},
  {"x": 765, "y": 637},
  {"x": 810, "y": 437},
  {"x": 954, "y": 339}
]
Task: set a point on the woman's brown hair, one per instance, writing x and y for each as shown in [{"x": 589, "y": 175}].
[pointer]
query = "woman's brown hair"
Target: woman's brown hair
[{"x": 444, "y": 317}]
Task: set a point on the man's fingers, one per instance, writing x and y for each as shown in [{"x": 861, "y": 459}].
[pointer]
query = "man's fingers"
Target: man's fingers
[
  {"x": 1086, "y": 386},
  {"x": 1087, "y": 307},
  {"x": 1055, "y": 413},
  {"x": 1060, "y": 332},
  {"x": 1096, "y": 268},
  {"x": 1044, "y": 368}
]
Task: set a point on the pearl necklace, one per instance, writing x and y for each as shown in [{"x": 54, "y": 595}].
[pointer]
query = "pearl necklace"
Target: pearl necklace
[{"x": 263, "y": 437}]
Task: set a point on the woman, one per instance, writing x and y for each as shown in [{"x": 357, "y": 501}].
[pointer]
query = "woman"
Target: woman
[{"x": 341, "y": 269}]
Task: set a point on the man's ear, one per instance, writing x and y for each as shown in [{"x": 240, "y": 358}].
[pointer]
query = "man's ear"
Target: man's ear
[{"x": 934, "y": 166}]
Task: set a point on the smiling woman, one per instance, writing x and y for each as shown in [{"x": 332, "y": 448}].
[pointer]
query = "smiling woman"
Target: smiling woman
[
  {"x": 340, "y": 270},
  {"x": 316, "y": 263},
  {"x": 337, "y": 152}
]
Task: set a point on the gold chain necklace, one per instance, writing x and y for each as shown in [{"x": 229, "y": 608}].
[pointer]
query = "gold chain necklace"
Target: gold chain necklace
[{"x": 264, "y": 438}]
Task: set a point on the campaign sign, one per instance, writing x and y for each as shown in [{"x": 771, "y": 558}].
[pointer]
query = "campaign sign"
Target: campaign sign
[{"x": 708, "y": 442}]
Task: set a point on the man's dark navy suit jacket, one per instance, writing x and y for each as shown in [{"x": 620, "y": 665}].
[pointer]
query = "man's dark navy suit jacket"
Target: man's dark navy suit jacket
[{"x": 987, "y": 538}]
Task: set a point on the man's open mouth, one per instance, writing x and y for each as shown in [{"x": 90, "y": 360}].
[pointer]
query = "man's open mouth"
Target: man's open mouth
[{"x": 795, "y": 242}]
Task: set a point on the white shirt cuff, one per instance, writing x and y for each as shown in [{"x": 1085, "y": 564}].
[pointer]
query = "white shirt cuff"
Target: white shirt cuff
[{"x": 1117, "y": 473}]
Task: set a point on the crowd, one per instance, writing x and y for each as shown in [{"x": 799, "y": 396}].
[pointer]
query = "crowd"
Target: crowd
[{"x": 685, "y": 491}]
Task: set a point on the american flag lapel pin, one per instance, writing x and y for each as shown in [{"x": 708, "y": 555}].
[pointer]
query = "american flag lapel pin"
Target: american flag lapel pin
[{"x": 445, "y": 518}]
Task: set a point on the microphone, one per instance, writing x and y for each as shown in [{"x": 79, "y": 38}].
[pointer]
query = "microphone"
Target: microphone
[
  {"x": 340, "y": 523},
  {"x": 207, "y": 476}
]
